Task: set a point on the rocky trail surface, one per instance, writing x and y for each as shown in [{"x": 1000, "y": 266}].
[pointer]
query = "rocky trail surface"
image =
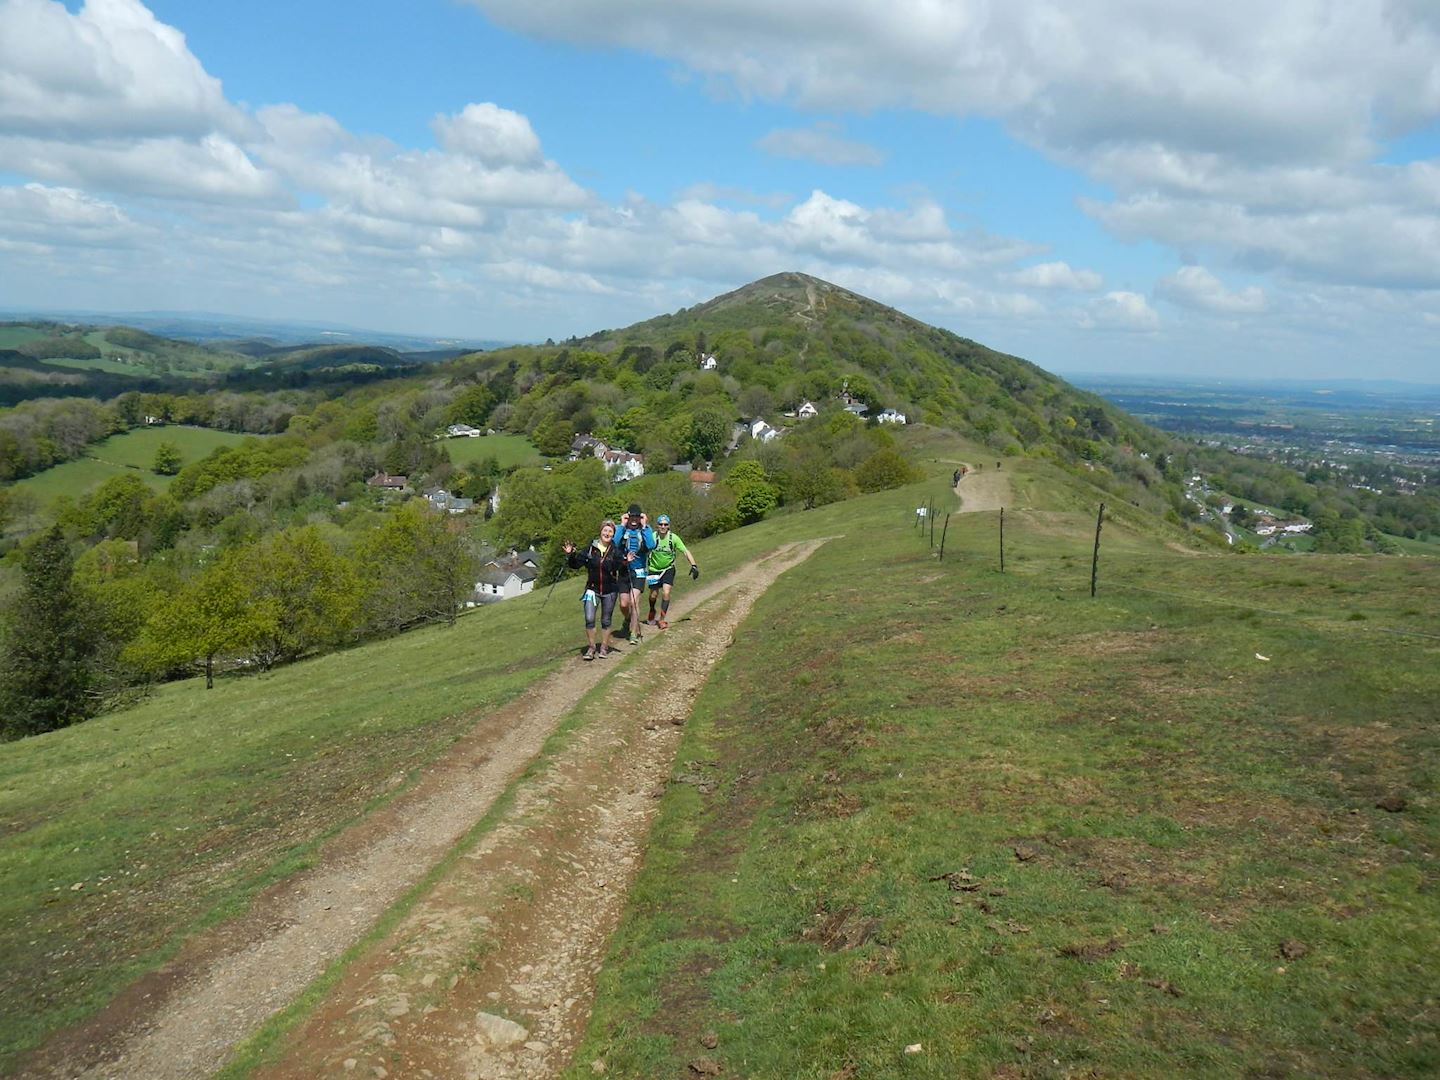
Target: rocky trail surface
[{"x": 490, "y": 972}]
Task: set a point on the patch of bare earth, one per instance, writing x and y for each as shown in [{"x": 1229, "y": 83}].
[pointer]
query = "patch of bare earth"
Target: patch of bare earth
[
  {"x": 982, "y": 490},
  {"x": 491, "y": 974},
  {"x": 186, "y": 1019}
]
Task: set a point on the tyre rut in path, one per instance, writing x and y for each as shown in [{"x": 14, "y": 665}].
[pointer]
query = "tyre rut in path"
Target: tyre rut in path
[
  {"x": 491, "y": 974},
  {"x": 186, "y": 1019}
]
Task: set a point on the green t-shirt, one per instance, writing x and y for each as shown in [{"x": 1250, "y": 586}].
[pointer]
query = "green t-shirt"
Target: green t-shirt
[{"x": 662, "y": 556}]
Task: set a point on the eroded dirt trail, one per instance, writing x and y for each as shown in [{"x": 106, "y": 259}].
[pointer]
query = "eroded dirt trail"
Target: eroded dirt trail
[
  {"x": 984, "y": 490},
  {"x": 492, "y": 973},
  {"x": 185, "y": 1020}
]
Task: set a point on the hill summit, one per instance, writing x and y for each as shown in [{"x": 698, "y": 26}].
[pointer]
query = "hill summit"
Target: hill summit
[{"x": 804, "y": 338}]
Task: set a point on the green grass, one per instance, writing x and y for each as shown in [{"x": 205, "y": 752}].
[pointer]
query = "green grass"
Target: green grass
[
  {"x": 114, "y": 367},
  {"x": 1184, "y": 808},
  {"x": 508, "y": 450},
  {"x": 119, "y": 454},
  {"x": 14, "y": 336},
  {"x": 174, "y": 813}
]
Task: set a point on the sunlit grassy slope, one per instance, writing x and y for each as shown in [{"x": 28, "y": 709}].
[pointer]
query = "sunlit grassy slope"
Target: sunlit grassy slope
[
  {"x": 1034, "y": 833},
  {"x": 131, "y": 452},
  {"x": 1137, "y": 813}
]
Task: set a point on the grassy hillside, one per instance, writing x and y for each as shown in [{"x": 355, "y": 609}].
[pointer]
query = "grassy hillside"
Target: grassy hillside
[
  {"x": 128, "y": 452},
  {"x": 1037, "y": 834},
  {"x": 508, "y": 450},
  {"x": 119, "y": 836}
]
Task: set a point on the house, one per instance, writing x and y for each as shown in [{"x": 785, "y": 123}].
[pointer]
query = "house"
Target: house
[
  {"x": 499, "y": 584},
  {"x": 701, "y": 480},
  {"x": 708, "y": 362},
  {"x": 623, "y": 465},
  {"x": 584, "y": 445},
  {"x": 762, "y": 431},
  {"x": 154, "y": 421},
  {"x": 462, "y": 431},
  {"x": 389, "y": 483},
  {"x": 891, "y": 416},
  {"x": 443, "y": 501},
  {"x": 806, "y": 410},
  {"x": 856, "y": 409}
]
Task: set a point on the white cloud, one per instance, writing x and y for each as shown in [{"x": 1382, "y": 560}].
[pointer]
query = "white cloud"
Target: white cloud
[
  {"x": 1196, "y": 287},
  {"x": 1249, "y": 132},
  {"x": 50, "y": 216},
  {"x": 819, "y": 145},
  {"x": 492, "y": 135},
  {"x": 1119, "y": 311},
  {"x": 111, "y": 70},
  {"x": 1056, "y": 275}
]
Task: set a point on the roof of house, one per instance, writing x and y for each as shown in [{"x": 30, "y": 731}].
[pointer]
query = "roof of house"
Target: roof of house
[
  {"x": 497, "y": 577},
  {"x": 699, "y": 476}
]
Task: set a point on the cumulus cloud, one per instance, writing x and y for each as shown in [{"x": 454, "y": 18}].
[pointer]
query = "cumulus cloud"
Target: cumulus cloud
[
  {"x": 492, "y": 135},
  {"x": 820, "y": 145},
  {"x": 110, "y": 70},
  {"x": 1120, "y": 311},
  {"x": 46, "y": 216},
  {"x": 1264, "y": 123},
  {"x": 1196, "y": 287},
  {"x": 1056, "y": 275}
]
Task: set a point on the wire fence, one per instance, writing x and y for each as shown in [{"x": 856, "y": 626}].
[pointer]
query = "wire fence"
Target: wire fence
[{"x": 1034, "y": 547}]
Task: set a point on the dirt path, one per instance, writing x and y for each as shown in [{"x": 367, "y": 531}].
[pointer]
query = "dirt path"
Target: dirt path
[
  {"x": 985, "y": 489},
  {"x": 186, "y": 1019},
  {"x": 492, "y": 973}
]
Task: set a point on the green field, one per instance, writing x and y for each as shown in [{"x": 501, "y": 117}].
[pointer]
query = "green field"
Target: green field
[
  {"x": 114, "y": 367},
  {"x": 13, "y": 336},
  {"x": 128, "y": 452},
  {"x": 1038, "y": 834},
  {"x": 508, "y": 450}
]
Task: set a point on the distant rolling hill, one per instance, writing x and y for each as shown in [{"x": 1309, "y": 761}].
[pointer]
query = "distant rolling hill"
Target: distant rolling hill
[{"x": 790, "y": 328}]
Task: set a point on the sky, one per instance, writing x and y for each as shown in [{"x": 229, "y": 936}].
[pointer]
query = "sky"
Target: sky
[{"x": 1109, "y": 186}]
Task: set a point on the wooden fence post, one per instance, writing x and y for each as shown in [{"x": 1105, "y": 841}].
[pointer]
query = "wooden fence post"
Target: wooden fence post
[
  {"x": 943, "y": 531},
  {"x": 932, "y": 526},
  {"x": 1002, "y": 539},
  {"x": 1095, "y": 559}
]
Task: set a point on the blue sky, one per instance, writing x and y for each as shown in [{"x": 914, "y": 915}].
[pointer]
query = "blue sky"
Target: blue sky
[{"x": 1096, "y": 185}]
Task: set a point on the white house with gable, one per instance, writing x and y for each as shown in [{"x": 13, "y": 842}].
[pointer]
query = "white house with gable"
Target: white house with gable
[
  {"x": 762, "y": 431},
  {"x": 806, "y": 410},
  {"x": 891, "y": 416},
  {"x": 708, "y": 362},
  {"x": 623, "y": 465}
]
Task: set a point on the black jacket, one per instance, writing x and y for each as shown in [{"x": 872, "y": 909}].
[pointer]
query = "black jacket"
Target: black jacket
[{"x": 605, "y": 573}]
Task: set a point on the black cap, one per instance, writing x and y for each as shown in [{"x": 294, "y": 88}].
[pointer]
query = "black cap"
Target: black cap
[{"x": 634, "y": 510}]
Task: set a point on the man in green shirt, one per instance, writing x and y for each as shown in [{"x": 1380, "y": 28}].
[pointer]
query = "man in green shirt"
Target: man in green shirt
[{"x": 660, "y": 568}]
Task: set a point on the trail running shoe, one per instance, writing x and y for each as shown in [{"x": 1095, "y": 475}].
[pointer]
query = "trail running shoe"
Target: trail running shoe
[
  {"x": 588, "y": 654},
  {"x": 604, "y": 653}
]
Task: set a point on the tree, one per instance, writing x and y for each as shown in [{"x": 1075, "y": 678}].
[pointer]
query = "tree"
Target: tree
[
  {"x": 472, "y": 405},
  {"x": 211, "y": 616},
  {"x": 413, "y": 569},
  {"x": 883, "y": 470},
  {"x": 553, "y": 437},
  {"x": 755, "y": 496},
  {"x": 47, "y": 678},
  {"x": 167, "y": 459},
  {"x": 709, "y": 428},
  {"x": 303, "y": 591}
]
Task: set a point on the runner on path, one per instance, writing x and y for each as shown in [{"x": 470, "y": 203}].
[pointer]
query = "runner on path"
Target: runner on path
[
  {"x": 660, "y": 568},
  {"x": 636, "y": 539},
  {"x": 606, "y": 575}
]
